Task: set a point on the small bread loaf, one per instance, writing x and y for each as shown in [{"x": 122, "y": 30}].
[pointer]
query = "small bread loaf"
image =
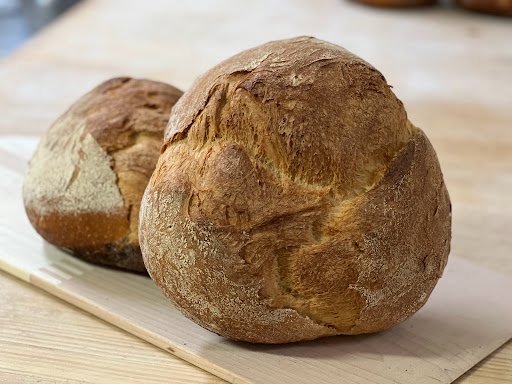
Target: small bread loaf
[
  {"x": 497, "y": 7},
  {"x": 85, "y": 181},
  {"x": 397, "y": 3},
  {"x": 294, "y": 199}
]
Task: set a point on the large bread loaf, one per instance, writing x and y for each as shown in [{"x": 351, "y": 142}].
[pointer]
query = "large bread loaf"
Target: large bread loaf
[{"x": 294, "y": 199}]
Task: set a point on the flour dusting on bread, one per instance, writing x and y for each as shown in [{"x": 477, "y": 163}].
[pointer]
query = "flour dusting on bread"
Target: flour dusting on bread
[{"x": 71, "y": 173}]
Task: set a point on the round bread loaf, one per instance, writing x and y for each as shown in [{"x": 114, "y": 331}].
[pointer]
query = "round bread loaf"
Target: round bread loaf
[
  {"x": 497, "y": 7},
  {"x": 85, "y": 181},
  {"x": 294, "y": 199},
  {"x": 397, "y": 3}
]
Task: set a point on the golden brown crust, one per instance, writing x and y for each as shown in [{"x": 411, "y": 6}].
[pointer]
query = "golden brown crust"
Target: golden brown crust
[
  {"x": 100, "y": 227},
  {"x": 83, "y": 188},
  {"x": 497, "y": 7},
  {"x": 397, "y": 3},
  {"x": 294, "y": 200},
  {"x": 387, "y": 237}
]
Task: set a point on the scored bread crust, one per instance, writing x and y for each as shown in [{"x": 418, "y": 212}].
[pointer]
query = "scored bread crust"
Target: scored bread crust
[
  {"x": 497, "y": 7},
  {"x": 294, "y": 200},
  {"x": 85, "y": 181}
]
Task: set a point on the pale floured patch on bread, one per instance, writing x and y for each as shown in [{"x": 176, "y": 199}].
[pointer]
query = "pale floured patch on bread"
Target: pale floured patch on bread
[{"x": 71, "y": 173}]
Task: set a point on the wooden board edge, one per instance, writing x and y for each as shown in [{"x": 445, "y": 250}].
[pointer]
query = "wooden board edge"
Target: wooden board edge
[
  {"x": 176, "y": 350},
  {"x": 495, "y": 347},
  {"x": 15, "y": 271}
]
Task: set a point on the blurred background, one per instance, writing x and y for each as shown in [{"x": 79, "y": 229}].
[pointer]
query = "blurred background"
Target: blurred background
[{"x": 20, "y": 19}]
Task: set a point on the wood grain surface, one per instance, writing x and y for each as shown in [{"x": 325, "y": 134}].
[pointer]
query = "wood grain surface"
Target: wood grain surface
[
  {"x": 75, "y": 347},
  {"x": 452, "y": 70},
  {"x": 45, "y": 340}
]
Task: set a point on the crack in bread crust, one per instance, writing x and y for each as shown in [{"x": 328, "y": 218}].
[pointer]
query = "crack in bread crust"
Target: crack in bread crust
[{"x": 322, "y": 212}]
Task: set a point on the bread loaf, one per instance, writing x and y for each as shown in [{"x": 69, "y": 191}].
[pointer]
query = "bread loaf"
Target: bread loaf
[
  {"x": 85, "y": 181},
  {"x": 294, "y": 199},
  {"x": 497, "y": 7},
  {"x": 397, "y": 3}
]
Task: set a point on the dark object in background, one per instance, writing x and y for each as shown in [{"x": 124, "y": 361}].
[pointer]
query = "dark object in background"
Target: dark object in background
[
  {"x": 20, "y": 19},
  {"x": 397, "y": 3},
  {"x": 497, "y": 7}
]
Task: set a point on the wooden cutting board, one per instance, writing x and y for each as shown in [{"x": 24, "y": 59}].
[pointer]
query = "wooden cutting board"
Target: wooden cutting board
[{"x": 468, "y": 316}]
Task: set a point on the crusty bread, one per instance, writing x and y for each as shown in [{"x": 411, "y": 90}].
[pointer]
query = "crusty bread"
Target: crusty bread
[
  {"x": 497, "y": 7},
  {"x": 85, "y": 181},
  {"x": 397, "y": 3},
  {"x": 294, "y": 200}
]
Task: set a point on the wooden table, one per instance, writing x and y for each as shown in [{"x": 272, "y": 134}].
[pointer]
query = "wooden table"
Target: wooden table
[{"x": 452, "y": 69}]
